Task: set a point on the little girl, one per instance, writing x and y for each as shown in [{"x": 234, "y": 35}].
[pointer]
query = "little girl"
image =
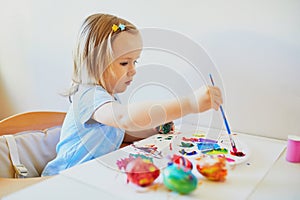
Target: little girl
[{"x": 96, "y": 122}]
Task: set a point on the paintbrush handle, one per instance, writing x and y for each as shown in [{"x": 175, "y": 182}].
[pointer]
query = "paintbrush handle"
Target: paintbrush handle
[
  {"x": 224, "y": 118},
  {"x": 221, "y": 108}
]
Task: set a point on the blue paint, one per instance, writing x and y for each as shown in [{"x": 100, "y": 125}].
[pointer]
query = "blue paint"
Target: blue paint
[{"x": 207, "y": 146}]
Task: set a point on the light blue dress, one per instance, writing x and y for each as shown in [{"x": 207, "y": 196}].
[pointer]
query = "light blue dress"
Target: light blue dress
[{"x": 82, "y": 138}]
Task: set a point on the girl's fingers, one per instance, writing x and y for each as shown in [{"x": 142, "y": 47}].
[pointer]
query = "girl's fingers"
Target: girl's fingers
[
  {"x": 217, "y": 92},
  {"x": 216, "y": 98}
]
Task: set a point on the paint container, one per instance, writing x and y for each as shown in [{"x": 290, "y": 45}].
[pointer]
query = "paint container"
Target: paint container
[{"x": 293, "y": 149}]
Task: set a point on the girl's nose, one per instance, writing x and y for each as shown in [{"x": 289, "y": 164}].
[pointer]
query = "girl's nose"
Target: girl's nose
[{"x": 131, "y": 71}]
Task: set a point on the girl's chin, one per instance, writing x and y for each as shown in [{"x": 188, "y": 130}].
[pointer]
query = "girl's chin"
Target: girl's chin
[{"x": 120, "y": 90}]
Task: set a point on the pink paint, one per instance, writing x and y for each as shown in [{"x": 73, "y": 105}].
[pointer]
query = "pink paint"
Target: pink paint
[{"x": 227, "y": 159}]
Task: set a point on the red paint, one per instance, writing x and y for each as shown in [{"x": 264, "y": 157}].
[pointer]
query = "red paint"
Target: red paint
[
  {"x": 190, "y": 139},
  {"x": 234, "y": 149},
  {"x": 237, "y": 153}
]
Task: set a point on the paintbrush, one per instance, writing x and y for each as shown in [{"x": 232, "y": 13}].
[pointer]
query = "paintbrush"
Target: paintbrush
[{"x": 225, "y": 121}]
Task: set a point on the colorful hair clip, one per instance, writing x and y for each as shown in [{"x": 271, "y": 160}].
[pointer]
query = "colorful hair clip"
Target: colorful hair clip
[
  {"x": 115, "y": 27},
  {"x": 122, "y": 27}
]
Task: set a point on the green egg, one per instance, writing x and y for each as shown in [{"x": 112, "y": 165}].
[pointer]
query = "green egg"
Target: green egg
[{"x": 179, "y": 179}]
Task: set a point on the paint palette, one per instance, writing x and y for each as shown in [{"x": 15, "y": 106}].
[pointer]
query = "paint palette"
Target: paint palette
[
  {"x": 195, "y": 144},
  {"x": 189, "y": 143}
]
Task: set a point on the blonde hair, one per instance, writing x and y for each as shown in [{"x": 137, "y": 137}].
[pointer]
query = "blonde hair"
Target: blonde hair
[{"x": 93, "y": 53}]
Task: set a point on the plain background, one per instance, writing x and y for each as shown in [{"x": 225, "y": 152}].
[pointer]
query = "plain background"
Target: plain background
[{"x": 255, "y": 46}]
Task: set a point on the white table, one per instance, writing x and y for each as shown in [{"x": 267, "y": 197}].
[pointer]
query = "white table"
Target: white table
[
  {"x": 60, "y": 187},
  {"x": 281, "y": 182},
  {"x": 265, "y": 175}
]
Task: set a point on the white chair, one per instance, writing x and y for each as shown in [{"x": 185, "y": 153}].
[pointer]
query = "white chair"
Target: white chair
[{"x": 28, "y": 127}]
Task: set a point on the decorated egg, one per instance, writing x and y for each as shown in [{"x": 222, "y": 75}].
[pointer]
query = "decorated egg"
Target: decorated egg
[
  {"x": 141, "y": 172},
  {"x": 213, "y": 168},
  {"x": 182, "y": 161},
  {"x": 179, "y": 179}
]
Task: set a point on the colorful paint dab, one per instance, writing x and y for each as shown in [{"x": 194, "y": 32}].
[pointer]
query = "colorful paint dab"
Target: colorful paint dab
[
  {"x": 170, "y": 147},
  {"x": 207, "y": 146},
  {"x": 190, "y": 139},
  {"x": 183, "y": 152},
  {"x": 169, "y": 137},
  {"x": 205, "y": 140},
  {"x": 198, "y": 140},
  {"x": 230, "y": 160},
  {"x": 123, "y": 162},
  {"x": 216, "y": 151},
  {"x": 141, "y": 156},
  {"x": 149, "y": 149},
  {"x": 188, "y": 145},
  {"x": 199, "y": 135},
  {"x": 237, "y": 153}
]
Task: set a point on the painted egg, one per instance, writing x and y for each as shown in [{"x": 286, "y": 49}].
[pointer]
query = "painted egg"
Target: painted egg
[
  {"x": 141, "y": 172},
  {"x": 179, "y": 179},
  {"x": 213, "y": 168},
  {"x": 182, "y": 161}
]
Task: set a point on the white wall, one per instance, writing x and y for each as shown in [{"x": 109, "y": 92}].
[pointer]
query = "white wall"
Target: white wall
[{"x": 255, "y": 46}]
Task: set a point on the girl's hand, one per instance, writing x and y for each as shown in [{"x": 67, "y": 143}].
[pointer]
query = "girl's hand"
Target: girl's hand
[{"x": 205, "y": 98}]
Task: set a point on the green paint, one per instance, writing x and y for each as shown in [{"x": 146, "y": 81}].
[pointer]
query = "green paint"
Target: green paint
[
  {"x": 186, "y": 144},
  {"x": 169, "y": 137},
  {"x": 216, "y": 151}
]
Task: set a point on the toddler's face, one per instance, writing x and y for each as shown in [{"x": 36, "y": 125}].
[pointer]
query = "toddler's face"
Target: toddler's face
[{"x": 127, "y": 48}]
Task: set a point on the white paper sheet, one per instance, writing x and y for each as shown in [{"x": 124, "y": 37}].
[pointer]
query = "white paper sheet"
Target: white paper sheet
[{"x": 241, "y": 181}]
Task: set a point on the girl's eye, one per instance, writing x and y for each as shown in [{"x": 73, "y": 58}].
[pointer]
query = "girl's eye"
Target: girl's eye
[
  {"x": 126, "y": 63},
  {"x": 123, "y": 63}
]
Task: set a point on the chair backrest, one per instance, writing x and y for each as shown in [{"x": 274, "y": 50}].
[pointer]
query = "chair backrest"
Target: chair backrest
[
  {"x": 31, "y": 121},
  {"x": 36, "y": 135}
]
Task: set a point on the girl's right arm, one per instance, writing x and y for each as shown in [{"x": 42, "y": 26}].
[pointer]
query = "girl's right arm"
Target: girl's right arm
[{"x": 146, "y": 115}]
